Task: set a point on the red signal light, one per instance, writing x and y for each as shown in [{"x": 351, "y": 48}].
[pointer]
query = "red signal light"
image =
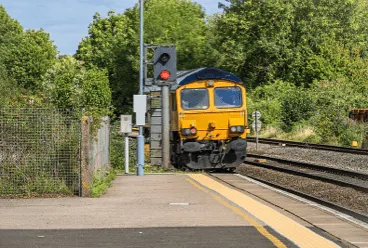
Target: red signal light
[{"x": 165, "y": 75}]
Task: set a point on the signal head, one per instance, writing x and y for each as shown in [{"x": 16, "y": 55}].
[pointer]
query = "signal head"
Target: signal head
[
  {"x": 164, "y": 58},
  {"x": 165, "y": 75}
]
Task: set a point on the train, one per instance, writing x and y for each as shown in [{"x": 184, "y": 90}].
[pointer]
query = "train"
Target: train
[
  {"x": 209, "y": 124},
  {"x": 359, "y": 115}
]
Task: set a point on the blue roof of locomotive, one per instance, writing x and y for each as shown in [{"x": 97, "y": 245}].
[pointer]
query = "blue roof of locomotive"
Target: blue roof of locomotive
[{"x": 187, "y": 77}]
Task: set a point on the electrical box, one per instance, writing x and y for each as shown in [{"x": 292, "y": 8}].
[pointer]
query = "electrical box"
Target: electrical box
[
  {"x": 140, "y": 108},
  {"x": 126, "y": 123}
]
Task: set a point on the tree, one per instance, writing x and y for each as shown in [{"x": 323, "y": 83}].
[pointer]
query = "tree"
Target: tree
[
  {"x": 267, "y": 40},
  {"x": 8, "y": 26},
  {"x": 26, "y": 55},
  {"x": 113, "y": 42},
  {"x": 6, "y": 85},
  {"x": 30, "y": 57},
  {"x": 69, "y": 85},
  {"x": 112, "y": 45}
]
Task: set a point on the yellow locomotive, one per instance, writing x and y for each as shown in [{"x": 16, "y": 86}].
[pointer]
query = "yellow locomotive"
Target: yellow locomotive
[{"x": 208, "y": 120}]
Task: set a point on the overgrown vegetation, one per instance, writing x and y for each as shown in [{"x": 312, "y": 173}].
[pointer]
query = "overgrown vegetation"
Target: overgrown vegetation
[
  {"x": 305, "y": 64},
  {"x": 117, "y": 153},
  {"x": 117, "y": 150},
  {"x": 39, "y": 149},
  {"x": 102, "y": 181},
  {"x": 43, "y": 97}
]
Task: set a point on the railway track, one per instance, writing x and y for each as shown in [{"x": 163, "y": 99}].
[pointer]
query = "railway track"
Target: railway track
[
  {"x": 336, "y": 207},
  {"x": 309, "y": 145},
  {"x": 345, "y": 178}
]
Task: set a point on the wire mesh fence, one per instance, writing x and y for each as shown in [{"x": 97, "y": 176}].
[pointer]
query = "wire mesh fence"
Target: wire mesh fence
[{"x": 39, "y": 151}]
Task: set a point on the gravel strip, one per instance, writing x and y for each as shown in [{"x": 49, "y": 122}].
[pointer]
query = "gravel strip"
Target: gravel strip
[
  {"x": 343, "y": 196},
  {"x": 340, "y": 160}
]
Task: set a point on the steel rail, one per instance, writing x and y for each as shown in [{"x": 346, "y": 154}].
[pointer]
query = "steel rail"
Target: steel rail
[
  {"x": 319, "y": 177},
  {"x": 332, "y": 170},
  {"x": 310, "y": 145},
  {"x": 336, "y": 207}
]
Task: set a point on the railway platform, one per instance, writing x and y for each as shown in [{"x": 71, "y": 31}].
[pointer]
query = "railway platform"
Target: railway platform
[{"x": 177, "y": 210}]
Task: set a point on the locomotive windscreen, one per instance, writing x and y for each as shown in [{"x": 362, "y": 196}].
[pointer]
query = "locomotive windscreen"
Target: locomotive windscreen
[
  {"x": 228, "y": 97},
  {"x": 194, "y": 99}
]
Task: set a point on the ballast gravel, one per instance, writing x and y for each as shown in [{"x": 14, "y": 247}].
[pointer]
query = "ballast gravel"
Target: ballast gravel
[
  {"x": 339, "y": 160},
  {"x": 343, "y": 196}
]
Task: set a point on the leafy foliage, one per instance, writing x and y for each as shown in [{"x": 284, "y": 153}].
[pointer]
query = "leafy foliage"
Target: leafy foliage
[
  {"x": 334, "y": 99},
  {"x": 69, "y": 85},
  {"x": 30, "y": 57},
  {"x": 102, "y": 181},
  {"x": 268, "y": 99},
  {"x": 267, "y": 40},
  {"x": 117, "y": 155},
  {"x": 113, "y": 43},
  {"x": 26, "y": 55},
  {"x": 297, "y": 105}
]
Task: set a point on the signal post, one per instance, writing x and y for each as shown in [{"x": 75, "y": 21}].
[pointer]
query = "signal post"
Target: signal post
[
  {"x": 164, "y": 67},
  {"x": 164, "y": 75}
]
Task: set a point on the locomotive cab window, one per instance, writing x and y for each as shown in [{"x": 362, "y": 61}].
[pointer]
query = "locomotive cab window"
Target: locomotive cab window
[
  {"x": 228, "y": 97},
  {"x": 194, "y": 99}
]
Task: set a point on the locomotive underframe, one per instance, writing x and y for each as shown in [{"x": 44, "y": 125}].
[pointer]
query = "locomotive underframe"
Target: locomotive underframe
[{"x": 208, "y": 154}]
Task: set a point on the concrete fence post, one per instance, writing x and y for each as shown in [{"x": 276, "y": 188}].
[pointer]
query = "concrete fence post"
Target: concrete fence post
[{"x": 86, "y": 170}]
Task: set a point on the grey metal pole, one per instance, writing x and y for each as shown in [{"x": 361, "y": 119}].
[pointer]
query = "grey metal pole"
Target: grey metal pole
[
  {"x": 140, "y": 138},
  {"x": 145, "y": 64},
  {"x": 126, "y": 154},
  {"x": 165, "y": 99}
]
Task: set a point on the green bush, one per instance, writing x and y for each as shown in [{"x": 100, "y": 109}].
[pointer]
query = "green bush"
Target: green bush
[
  {"x": 117, "y": 149},
  {"x": 334, "y": 99},
  {"x": 102, "y": 181},
  {"x": 267, "y": 99},
  {"x": 296, "y": 106}
]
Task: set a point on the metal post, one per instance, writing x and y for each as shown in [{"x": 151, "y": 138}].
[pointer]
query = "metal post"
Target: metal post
[
  {"x": 145, "y": 64},
  {"x": 256, "y": 125},
  {"x": 126, "y": 154},
  {"x": 165, "y": 99},
  {"x": 140, "y": 138}
]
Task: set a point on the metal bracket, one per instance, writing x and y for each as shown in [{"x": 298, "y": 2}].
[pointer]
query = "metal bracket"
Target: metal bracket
[{"x": 163, "y": 83}]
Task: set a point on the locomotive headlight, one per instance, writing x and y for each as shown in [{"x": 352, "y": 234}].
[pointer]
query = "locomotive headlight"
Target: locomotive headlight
[
  {"x": 237, "y": 129},
  {"x": 189, "y": 131},
  {"x": 210, "y": 84}
]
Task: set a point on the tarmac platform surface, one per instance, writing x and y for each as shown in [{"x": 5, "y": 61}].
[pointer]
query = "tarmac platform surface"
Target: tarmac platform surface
[{"x": 151, "y": 211}]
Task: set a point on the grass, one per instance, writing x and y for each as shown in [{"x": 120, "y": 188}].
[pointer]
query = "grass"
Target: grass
[
  {"x": 102, "y": 181},
  {"x": 301, "y": 133}
]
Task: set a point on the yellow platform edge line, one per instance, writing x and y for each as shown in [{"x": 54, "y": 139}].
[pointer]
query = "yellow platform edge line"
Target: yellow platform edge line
[
  {"x": 295, "y": 232},
  {"x": 241, "y": 213}
]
